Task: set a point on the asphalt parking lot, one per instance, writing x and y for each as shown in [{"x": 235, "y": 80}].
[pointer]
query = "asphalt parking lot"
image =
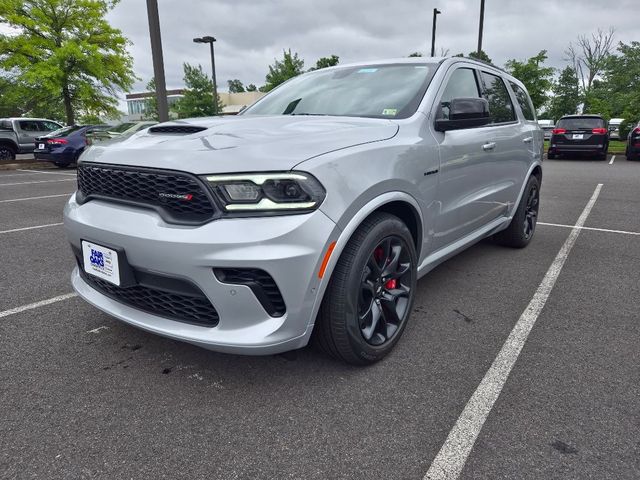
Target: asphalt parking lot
[{"x": 85, "y": 396}]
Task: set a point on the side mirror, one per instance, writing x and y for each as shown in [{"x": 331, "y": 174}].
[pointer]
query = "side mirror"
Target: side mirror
[{"x": 465, "y": 113}]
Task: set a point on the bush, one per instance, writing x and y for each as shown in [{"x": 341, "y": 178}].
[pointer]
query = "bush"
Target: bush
[{"x": 624, "y": 129}]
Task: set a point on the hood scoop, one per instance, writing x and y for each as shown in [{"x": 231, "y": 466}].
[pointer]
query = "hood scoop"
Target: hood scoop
[{"x": 177, "y": 129}]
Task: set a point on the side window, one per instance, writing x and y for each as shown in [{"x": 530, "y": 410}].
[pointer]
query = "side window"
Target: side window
[
  {"x": 496, "y": 93},
  {"x": 524, "y": 101},
  {"x": 462, "y": 84},
  {"x": 48, "y": 126},
  {"x": 28, "y": 126}
]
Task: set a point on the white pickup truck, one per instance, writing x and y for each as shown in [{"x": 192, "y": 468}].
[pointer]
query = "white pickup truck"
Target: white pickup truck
[{"x": 17, "y": 135}]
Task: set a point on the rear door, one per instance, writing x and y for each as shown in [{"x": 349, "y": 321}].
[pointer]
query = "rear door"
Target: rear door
[
  {"x": 533, "y": 136},
  {"x": 27, "y": 131}
]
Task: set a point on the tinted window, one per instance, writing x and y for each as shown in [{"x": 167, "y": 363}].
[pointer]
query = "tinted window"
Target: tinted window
[
  {"x": 29, "y": 126},
  {"x": 48, "y": 126},
  {"x": 378, "y": 91},
  {"x": 524, "y": 101},
  {"x": 495, "y": 91},
  {"x": 462, "y": 84},
  {"x": 581, "y": 123}
]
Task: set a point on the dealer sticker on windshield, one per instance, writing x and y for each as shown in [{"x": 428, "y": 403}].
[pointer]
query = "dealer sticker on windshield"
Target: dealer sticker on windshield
[
  {"x": 101, "y": 262},
  {"x": 390, "y": 111}
]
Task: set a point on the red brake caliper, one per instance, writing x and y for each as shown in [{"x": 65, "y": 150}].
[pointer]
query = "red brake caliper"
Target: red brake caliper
[{"x": 391, "y": 284}]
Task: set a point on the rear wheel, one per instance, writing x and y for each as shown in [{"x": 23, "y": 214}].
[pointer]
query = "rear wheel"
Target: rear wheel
[
  {"x": 523, "y": 225},
  {"x": 7, "y": 152},
  {"x": 370, "y": 295},
  {"x": 551, "y": 156}
]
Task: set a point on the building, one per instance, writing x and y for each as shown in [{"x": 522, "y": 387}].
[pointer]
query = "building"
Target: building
[{"x": 233, "y": 102}]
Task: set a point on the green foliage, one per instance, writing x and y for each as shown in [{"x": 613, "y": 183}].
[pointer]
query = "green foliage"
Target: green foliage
[
  {"x": 566, "y": 95},
  {"x": 625, "y": 127},
  {"x": 481, "y": 55},
  {"x": 622, "y": 79},
  {"x": 537, "y": 78},
  {"x": 415, "y": 54},
  {"x": 325, "y": 62},
  {"x": 198, "y": 96},
  {"x": 90, "y": 119},
  {"x": 151, "y": 108},
  {"x": 235, "y": 86},
  {"x": 282, "y": 70},
  {"x": 251, "y": 88},
  {"x": 67, "y": 51}
]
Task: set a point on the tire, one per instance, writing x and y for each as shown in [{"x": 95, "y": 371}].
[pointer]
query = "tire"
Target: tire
[
  {"x": 518, "y": 234},
  {"x": 347, "y": 328},
  {"x": 603, "y": 155},
  {"x": 7, "y": 152},
  {"x": 551, "y": 156}
]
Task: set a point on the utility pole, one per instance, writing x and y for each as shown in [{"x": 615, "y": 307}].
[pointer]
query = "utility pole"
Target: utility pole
[
  {"x": 158, "y": 62},
  {"x": 433, "y": 32},
  {"x": 481, "y": 27},
  {"x": 210, "y": 40}
]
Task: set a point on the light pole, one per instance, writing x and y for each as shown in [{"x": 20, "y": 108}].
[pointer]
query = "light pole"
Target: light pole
[
  {"x": 481, "y": 27},
  {"x": 436, "y": 12},
  {"x": 158, "y": 62},
  {"x": 210, "y": 41}
]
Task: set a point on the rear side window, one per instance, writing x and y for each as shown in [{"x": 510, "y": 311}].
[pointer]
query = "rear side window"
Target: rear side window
[
  {"x": 48, "y": 126},
  {"x": 524, "y": 101},
  {"x": 495, "y": 91},
  {"x": 461, "y": 84},
  {"x": 581, "y": 123},
  {"x": 29, "y": 126}
]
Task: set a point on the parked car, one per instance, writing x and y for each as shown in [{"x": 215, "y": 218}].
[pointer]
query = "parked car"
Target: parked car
[
  {"x": 582, "y": 134},
  {"x": 633, "y": 143},
  {"x": 64, "y": 146},
  {"x": 18, "y": 134},
  {"x": 547, "y": 128},
  {"x": 313, "y": 213},
  {"x": 122, "y": 130},
  {"x": 614, "y": 128}
]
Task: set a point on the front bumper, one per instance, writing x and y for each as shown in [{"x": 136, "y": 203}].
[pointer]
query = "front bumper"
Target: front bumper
[{"x": 289, "y": 248}]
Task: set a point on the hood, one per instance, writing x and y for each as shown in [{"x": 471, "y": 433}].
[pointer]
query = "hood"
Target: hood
[{"x": 240, "y": 143}]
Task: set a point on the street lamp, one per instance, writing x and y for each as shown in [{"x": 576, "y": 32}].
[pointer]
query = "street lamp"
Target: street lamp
[
  {"x": 481, "y": 27},
  {"x": 436, "y": 12},
  {"x": 210, "y": 40}
]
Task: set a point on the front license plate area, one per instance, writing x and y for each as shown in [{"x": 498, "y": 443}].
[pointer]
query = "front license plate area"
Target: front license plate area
[{"x": 101, "y": 262}]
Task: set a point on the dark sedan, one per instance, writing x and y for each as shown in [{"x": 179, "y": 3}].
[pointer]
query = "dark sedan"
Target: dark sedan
[
  {"x": 63, "y": 147},
  {"x": 633, "y": 143},
  {"x": 580, "y": 134}
]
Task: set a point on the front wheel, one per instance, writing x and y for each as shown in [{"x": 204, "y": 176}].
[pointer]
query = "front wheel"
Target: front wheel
[
  {"x": 370, "y": 295},
  {"x": 523, "y": 224}
]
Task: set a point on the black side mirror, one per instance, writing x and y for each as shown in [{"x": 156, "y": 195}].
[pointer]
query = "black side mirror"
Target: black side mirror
[{"x": 465, "y": 113}]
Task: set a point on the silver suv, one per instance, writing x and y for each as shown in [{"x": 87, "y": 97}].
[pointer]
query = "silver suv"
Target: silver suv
[{"x": 313, "y": 213}]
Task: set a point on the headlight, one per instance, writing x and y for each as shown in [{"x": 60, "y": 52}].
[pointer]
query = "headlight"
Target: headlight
[{"x": 267, "y": 192}]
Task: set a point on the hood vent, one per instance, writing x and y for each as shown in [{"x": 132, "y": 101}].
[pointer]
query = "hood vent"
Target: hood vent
[{"x": 177, "y": 129}]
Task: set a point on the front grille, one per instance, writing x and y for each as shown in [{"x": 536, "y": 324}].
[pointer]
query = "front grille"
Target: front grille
[
  {"x": 179, "y": 197},
  {"x": 181, "y": 129},
  {"x": 196, "y": 308},
  {"x": 261, "y": 283}
]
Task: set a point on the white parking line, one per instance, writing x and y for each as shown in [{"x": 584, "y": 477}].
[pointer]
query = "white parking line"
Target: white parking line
[
  {"x": 35, "y": 198},
  {"x": 624, "y": 232},
  {"x": 41, "y": 303},
  {"x": 612, "y": 159},
  {"x": 37, "y": 181},
  {"x": 450, "y": 460},
  {"x": 47, "y": 173},
  {"x": 30, "y": 228}
]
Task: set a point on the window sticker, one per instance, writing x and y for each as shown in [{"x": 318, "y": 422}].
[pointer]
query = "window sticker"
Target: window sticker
[
  {"x": 390, "y": 111},
  {"x": 367, "y": 70}
]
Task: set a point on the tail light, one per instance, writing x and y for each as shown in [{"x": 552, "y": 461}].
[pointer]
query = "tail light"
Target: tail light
[
  {"x": 636, "y": 131},
  {"x": 57, "y": 141},
  {"x": 558, "y": 131},
  {"x": 599, "y": 131}
]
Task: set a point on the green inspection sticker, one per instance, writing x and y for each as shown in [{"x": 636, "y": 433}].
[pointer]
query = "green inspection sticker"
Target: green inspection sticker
[{"x": 390, "y": 111}]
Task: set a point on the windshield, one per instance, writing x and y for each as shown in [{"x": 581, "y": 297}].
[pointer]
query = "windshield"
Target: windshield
[
  {"x": 581, "y": 123},
  {"x": 122, "y": 127},
  {"x": 376, "y": 91}
]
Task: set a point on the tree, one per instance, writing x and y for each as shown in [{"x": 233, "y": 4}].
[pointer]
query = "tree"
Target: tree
[
  {"x": 68, "y": 50},
  {"x": 198, "y": 96},
  {"x": 151, "y": 107},
  {"x": 415, "y": 54},
  {"x": 536, "y": 78},
  {"x": 282, "y": 70},
  {"x": 566, "y": 95},
  {"x": 251, "y": 88},
  {"x": 620, "y": 86},
  {"x": 325, "y": 62},
  {"x": 481, "y": 55},
  {"x": 235, "y": 86}
]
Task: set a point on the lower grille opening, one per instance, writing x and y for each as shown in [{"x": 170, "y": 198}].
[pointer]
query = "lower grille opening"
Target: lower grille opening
[
  {"x": 193, "y": 307},
  {"x": 261, "y": 284}
]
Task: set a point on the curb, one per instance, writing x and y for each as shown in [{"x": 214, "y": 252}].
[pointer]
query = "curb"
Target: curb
[{"x": 27, "y": 166}]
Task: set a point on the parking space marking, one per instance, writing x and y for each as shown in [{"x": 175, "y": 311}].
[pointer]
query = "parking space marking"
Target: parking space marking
[
  {"x": 35, "y": 198},
  {"x": 41, "y": 303},
  {"x": 47, "y": 173},
  {"x": 30, "y": 228},
  {"x": 451, "y": 458},
  {"x": 624, "y": 232},
  {"x": 612, "y": 159},
  {"x": 37, "y": 181}
]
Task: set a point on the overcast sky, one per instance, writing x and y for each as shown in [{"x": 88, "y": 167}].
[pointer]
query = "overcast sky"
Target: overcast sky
[{"x": 252, "y": 33}]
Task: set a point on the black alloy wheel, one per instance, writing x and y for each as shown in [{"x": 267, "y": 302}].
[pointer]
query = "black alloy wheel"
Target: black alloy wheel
[
  {"x": 385, "y": 290},
  {"x": 531, "y": 212}
]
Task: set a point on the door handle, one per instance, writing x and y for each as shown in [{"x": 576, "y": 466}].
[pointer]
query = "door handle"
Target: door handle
[
  {"x": 489, "y": 146},
  {"x": 527, "y": 140}
]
